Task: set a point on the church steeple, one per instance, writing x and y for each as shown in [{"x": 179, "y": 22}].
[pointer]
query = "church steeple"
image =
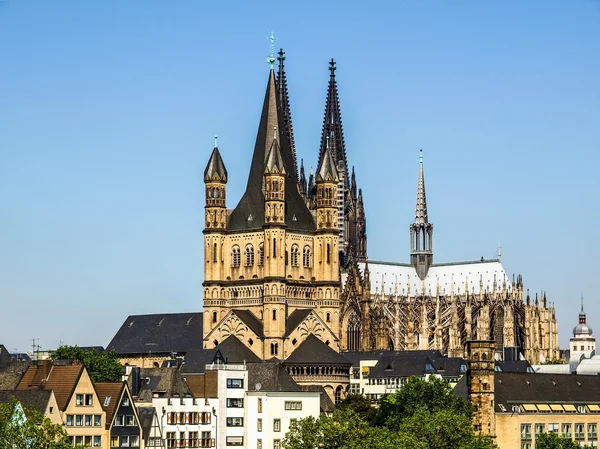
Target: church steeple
[
  {"x": 284, "y": 100},
  {"x": 582, "y": 317},
  {"x": 421, "y": 231},
  {"x": 332, "y": 128}
]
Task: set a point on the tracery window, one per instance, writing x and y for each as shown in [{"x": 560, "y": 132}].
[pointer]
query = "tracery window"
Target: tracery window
[
  {"x": 249, "y": 255},
  {"x": 261, "y": 254},
  {"x": 235, "y": 257},
  {"x": 306, "y": 257},
  {"x": 295, "y": 252}
]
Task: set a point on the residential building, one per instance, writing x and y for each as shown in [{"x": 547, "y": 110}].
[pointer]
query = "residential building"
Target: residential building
[
  {"x": 80, "y": 409},
  {"x": 122, "y": 420},
  {"x": 152, "y": 436},
  {"x": 41, "y": 400}
]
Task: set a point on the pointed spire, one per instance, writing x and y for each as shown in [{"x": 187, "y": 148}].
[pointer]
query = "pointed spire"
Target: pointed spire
[
  {"x": 421, "y": 210},
  {"x": 582, "y": 316},
  {"x": 215, "y": 169},
  {"x": 332, "y": 127},
  {"x": 274, "y": 160},
  {"x": 353, "y": 183},
  {"x": 284, "y": 101},
  {"x": 327, "y": 170},
  {"x": 302, "y": 186}
]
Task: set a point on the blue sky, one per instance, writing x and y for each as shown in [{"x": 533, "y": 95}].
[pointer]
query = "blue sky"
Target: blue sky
[{"x": 108, "y": 111}]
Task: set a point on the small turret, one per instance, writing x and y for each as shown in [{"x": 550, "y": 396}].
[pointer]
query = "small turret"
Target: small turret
[
  {"x": 327, "y": 180},
  {"x": 215, "y": 179},
  {"x": 274, "y": 184},
  {"x": 421, "y": 231}
]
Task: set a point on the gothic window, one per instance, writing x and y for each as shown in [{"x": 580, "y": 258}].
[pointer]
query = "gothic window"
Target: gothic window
[
  {"x": 215, "y": 252},
  {"x": 261, "y": 254},
  {"x": 295, "y": 252},
  {"x": 274, "y": 314},
  {"x": 249, "y": 255},
  {"x": 274, "y": 348},
  {"x": 274, "y": 247},
  {"x": 306, "y": 257},
  {"x": 286, "y": 258},
  {"x": 235, "y": 256},
  {"x": 328, "y": 253},
  {"x": 353, "y": 332}
]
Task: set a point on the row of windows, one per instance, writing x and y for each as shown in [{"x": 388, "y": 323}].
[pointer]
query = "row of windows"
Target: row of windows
[
  {"x": 567, "y": 430},
  {"x": 190, "y": 440},
  {"x": 276, "y": 444},
  {"x": 188, "y": 418},
  {"x": 125, "y": 420},
  {"x": 84, "y": 399},
  {"x": 236, "y": 255},
  {"x": 84, "y": 420},
  {"x": 125, "y": 441},
  {"x": 88, "y": 440}
]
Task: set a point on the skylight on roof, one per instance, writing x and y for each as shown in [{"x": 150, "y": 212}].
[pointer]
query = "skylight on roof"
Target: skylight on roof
[{"x": 106, "y": 401}]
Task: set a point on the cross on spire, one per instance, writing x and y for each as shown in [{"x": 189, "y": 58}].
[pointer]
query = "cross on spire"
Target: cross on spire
[
  {"x": 332, "y": 67},
  {"x": 271, "y": 58}
]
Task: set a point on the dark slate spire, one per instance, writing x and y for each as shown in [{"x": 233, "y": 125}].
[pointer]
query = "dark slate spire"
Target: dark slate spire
[
  {"x": 353, "y": 183},
  {"x": 332, "y": 127},
  {"x": 284, "y": 100},
  {"x": 215, "y": 169},
  {"x": 274, "y": 160},
  {"x": 302, "y": 185},
  {"x": 327, "y": 170},
  {"x": 421, "y": 210},
  {"x": 249, "y": 213}
]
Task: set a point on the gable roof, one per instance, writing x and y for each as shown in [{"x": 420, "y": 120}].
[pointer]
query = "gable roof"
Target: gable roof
[
  {"x": 297, "y": 215},
  {"x": 313, "y": 351},
  {"x": 232, "y": 349},
  {"x": 270, "y": 376},
  {"x": 61, "y": 379},
  {"x": 146, "y": 416},
  {"x": 515, "y": 388},
  {"x": 390, "y": 366},
  {"x": 113, "y": 391},
  {"x": 250, "y": 320},
  {"x": 295, "y": 319},
  {"x": 36, "y": 399},
  {"x": 159, "y": 333}
]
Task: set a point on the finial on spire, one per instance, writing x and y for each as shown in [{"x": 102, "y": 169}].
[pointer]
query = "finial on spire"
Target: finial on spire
[
  {"x": 274, "y": 133},
  {"x": 421, "y": 156},
  {"x": 327, "y": 142},
  {"x": 281, "y": 56},
  {"x": 581, "y": 302},
  {"x": 271, "y": 58},
  {"x": 332, "y": 67},
  {"x": 216, "y": 138}
]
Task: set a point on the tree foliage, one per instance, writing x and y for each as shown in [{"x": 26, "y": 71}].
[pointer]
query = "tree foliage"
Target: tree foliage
[
  {"x": 29, "y": 429},
  {"x": 421, "y": 415},
  {"x": 553, "y": 441},
  {"x": 102, "y": 367}
]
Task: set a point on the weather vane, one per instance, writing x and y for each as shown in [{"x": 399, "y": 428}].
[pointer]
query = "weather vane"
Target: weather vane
[{"x": 271, "y": 58}]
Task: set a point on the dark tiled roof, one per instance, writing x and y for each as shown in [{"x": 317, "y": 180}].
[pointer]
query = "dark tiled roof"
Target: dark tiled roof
[
  {"x": 270, "y": 376},
  {"x": 5, "y": 356},
  {"x": 232, "y": 350},
  {"x": 450, "y": 366},
  {"x": 36, "y": 399},
  {"x": 196, "y": 384},
  {"x": 215, "y": 169},
  {"x": 113, "y": 391},
  {"x": 327, "y": 171},
  {"x": 327, "y": 405},
  {"x": 250, "y": 320},
  {"x": 358, "y": 356},
  {"x": 514, "y": 366},
  {"x": 297, "y": 215},
  {"x": 295, "y": 319},
  {"x": 146, "y": 415},
  {"x": 313, "y": 351},
  {"x": 9, "y": 380},
  {"x": 61, "y": 379},
  {"x": 274, "y": 160},
  {"x": 511, "y": 388},
  {"x": 160, "y": 333},
  {"x": 166, "y": 382},
  {"x": 461, "y": 389},
  {"x": 390, "y": 366}
]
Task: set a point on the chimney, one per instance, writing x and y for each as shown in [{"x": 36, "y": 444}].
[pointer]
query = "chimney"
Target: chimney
[{"x": 135, "y": 380}]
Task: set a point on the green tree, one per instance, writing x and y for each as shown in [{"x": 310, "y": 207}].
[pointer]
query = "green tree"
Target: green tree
[
  {"x": 360, "y": 405},
  {"x": 29, "y": 429},
  {"x": 432, "y": 395},
  {"x": 553, "y": 441},
  {"x": 102, "y": 367}
]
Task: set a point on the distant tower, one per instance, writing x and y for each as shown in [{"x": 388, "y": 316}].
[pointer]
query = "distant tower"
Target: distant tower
[
  {"x": 582, "y": 334},
  {"x": 421, "y": 231},
  {"x": 480, "y": 385}
]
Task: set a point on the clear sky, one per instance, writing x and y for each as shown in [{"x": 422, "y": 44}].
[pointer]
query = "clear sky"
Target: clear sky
[{"x": 108, "y": 111}]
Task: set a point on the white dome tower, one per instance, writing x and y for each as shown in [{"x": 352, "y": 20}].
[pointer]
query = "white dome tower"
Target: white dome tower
[{"x": 582, "y": 335}]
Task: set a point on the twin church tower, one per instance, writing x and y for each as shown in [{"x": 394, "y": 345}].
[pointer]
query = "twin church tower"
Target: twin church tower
[{"x": 273, "y": 264}]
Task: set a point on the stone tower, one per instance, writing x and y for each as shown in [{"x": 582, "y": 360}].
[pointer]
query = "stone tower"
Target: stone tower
[
  {"x": 421, "y": 231},
  {"x": 480, "y": 385}
]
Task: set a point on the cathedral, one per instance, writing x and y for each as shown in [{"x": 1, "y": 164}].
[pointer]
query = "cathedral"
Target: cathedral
[{"x": 290, "y": 261}]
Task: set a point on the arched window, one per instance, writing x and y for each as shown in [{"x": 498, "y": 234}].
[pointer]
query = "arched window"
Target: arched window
[
  {"x": 235, "y": 257},
  {"x": 214, "y": 317},
  {"x": 274, "y": 314},
  {"x": 328, "y": 317},
  {"x": 306, "y": 257},
  {"x": 274, "y": 348},
  {"x": 483, "y": 356},
  {"x": 261, "y": 254},
  {"x": 215, "y": 252},
  {"x": 249, "y": 255},
  {"x": 274, "y": 247},
  {"x": 328, "y": 253},
  {"x": 295, "y": 252}
]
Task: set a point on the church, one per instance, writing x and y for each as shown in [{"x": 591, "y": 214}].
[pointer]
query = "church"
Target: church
[{"x": 288, "y": 264}]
